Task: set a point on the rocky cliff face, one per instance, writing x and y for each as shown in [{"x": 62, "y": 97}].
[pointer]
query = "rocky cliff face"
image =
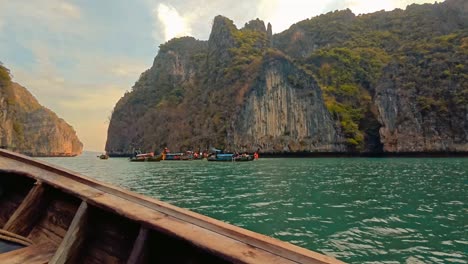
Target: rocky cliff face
[
  {"x": 388, "y": 81},
  {"x": 29, "y": 128},
  {"x": 416, "y": 118},
  {"x": 284, "y": 112}
]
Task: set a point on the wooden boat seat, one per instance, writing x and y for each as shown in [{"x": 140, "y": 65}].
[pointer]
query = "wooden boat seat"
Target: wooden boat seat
[{"x": 34, "y": 254}]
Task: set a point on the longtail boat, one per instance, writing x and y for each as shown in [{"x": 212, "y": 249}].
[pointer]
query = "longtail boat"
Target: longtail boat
[
  {"x": 146, "y": 159},
  {"x": 104, "y": 156},
  {"x": 177, "y": 156},
  {"x": 230, "y": 157},
  {"x": 53, "y": 215}
]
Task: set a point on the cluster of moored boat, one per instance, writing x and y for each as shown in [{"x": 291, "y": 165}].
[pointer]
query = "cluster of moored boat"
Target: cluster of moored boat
[{"x": 189, "y": 155}]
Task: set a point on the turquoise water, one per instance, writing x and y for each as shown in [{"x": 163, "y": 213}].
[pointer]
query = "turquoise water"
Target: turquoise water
[{"x": 360, "y": 210}]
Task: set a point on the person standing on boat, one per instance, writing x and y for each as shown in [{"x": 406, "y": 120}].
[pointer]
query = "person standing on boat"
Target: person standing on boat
[
  {"x": 165, "y": 151},
  {"x": 256, "y": 155}
]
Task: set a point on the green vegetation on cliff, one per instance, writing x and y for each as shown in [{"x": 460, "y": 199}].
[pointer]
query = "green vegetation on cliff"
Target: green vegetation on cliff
[
  {"x": 347, "y": 76},
  {"x": 349, "y": 54},
  {"x": 389, "y": 81},
  {"x": 4, "y": 74}
]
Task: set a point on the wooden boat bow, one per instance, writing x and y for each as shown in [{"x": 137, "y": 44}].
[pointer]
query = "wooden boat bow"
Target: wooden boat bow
[{"x": 130, "y": 228}]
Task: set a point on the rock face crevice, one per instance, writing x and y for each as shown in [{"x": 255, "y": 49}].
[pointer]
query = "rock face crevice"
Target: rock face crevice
[
  {"x": 280, "y": 116},
  {"x": 31, "y": 129}
]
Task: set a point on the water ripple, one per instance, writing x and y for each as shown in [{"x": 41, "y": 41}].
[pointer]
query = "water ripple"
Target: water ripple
[{"x": 359, "y": 210}]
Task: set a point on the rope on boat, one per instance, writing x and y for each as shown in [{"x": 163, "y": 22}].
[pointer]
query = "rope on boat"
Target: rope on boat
[{"x": 12, "y": 237}]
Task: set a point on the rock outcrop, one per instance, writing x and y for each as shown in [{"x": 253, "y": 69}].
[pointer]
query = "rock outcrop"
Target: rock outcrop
[
  {"x": 384, "y": 82},
  {"x": 29, "y": 128}
]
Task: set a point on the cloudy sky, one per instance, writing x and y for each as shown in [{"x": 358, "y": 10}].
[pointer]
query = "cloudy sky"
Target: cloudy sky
[{"x": 78, "y": 57}]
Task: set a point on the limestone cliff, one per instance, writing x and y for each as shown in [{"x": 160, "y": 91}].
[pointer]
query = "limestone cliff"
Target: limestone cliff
[
  {"x": 29, "y": 128},
  {"x": 384, "y": 82},
  {"x": 232, "y": 91},
  {"x": 284, "y": 112}
]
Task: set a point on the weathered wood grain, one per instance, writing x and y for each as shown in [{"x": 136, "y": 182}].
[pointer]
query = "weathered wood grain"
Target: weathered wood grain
[
  {"x": 56, "y": 219},
  {"x": 139, "y": 251},
  {"x": 74, "y": 238},
  {"x": 23, "y": 219},
  {"x": 163, "y": 248},
  {"x": 111, "y": 239},
  {"x": 13, "y": 191},
  {"x": 35, "y": 254}
]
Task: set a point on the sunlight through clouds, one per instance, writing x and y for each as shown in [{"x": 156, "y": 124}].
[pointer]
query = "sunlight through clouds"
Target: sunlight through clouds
[{"x": 174, "y": 24}]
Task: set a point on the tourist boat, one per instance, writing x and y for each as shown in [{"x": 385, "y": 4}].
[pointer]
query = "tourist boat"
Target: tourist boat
[
  {"x": 188, "y": 155},
  {"x": 53, "y": 215},
  {"x": 177, "y": 156},
  {"x": 230, "y": 157},
  {"x": 146, "y": 158}
]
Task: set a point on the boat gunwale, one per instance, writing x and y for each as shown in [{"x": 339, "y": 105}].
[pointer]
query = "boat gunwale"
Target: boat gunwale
[{"x": 268, "y": 244}]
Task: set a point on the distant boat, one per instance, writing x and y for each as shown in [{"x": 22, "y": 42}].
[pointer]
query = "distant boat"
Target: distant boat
[
  {"x": 230, "y": 157},
  {"x": 179, "y": 156},
  {"x": 148, "y": 158},
  {"x": 104, "y": 156}
]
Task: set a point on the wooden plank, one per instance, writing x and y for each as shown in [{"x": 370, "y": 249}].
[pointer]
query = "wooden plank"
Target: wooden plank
[
  {"x": 112, "y": 238},
  {"x": 72, "y": 241},
  {"x": 29, "y": 211},
  {"x": 138, "y": 254},
  {"x": 14, "y": 190},
  {"x": 56, "y": 219},
  {"x": 35, "y": 254}
]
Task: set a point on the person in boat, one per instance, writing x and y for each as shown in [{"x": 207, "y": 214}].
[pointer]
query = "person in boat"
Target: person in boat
[
  {"x": 256, "y": 155},
  {"x": 165, "y": 151}
]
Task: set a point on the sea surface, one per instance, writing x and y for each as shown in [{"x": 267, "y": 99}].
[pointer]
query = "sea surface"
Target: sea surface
[{"x": 360, "y": 210}]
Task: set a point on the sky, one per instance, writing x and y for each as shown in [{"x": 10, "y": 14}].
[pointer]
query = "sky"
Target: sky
[{"x": 79, "y": 57}]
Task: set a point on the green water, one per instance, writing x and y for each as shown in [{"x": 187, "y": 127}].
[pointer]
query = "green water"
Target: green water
[{"x": 360, "y": 210}]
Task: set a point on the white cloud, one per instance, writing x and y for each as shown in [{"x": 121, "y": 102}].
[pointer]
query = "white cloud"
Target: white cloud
[
  {"x": 55, "y": 15},
  {"x": 364, "y": 7},
  {"x": 67, "y": 10},
  {"x": 174, "y": 25},
  {"x": 93, "y": 102},
  {"x": 132, "y": 69},
  {"x": 283, "y": 13},
  {"x": 85, "y": 95}
]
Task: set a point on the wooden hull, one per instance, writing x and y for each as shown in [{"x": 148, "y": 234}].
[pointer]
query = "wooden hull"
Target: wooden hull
[
  {"x": 232, "y": 159},
  {"x": 146, "y": 159},
  {"x": 71, "y": 218},
  {"x": 104, "y": 157}
]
